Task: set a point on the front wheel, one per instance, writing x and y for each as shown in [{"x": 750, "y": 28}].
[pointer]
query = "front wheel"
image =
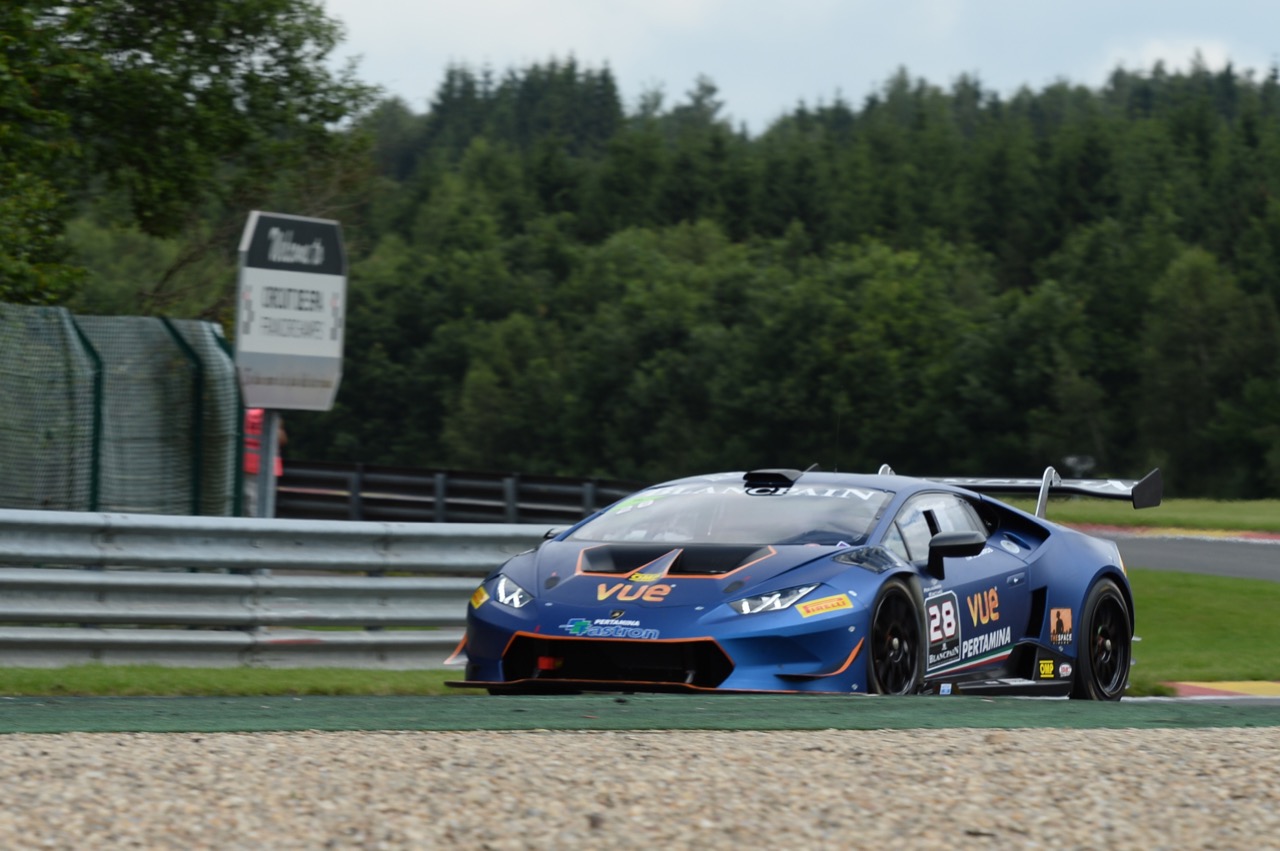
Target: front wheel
[
  {"x": 897, "y": 640},
  {"x": 1106, "y": 644}
]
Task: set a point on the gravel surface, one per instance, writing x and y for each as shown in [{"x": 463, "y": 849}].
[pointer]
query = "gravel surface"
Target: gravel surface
[{"x": 1148, "y": 789}]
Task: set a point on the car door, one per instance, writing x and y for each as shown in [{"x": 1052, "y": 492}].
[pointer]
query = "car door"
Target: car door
[{"x": 978, "y": 608}]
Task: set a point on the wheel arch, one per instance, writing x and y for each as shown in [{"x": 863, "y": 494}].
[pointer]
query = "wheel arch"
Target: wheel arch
[
  {"x": 1121, "y": 580},
  {"x": 911, "y": 581}
]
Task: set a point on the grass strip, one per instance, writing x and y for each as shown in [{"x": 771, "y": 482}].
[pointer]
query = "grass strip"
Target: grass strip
[
  {"x": 163, "y": 681},
  {"x": 1198, "y": 627}
]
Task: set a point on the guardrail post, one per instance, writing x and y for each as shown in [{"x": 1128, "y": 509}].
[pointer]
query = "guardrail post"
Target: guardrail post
[
  {"x": 441, "y": 495},
  {"x": 588, "y": 497},
  {"x": 355, "y": 485},
  {"x": 511, "y": 498}
]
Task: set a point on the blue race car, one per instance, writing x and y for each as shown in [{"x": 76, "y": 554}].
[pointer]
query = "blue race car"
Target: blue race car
[{"x": 788, "y": 581}]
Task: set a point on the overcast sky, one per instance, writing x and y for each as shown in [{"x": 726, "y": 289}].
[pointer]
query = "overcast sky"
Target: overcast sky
[{"x": 767, "y": 57}]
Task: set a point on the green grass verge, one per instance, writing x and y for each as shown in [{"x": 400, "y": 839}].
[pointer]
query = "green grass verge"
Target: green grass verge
[
  {"x": 1253, "y": 516},
  {"x": 1192, "y": 627},
  {"x": 1196, "y": 627},
  {"x": 156, "y": 680}
]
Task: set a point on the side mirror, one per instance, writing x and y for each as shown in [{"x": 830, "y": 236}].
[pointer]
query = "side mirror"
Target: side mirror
[{"x": 953, "y": 545}]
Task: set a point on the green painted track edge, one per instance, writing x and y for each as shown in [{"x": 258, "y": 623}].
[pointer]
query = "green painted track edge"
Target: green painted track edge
[{"x": 614, "y": 712}]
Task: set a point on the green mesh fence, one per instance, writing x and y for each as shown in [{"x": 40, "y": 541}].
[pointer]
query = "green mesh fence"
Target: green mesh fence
[
  {"x": 47, "y": 434},
  {"x": 128, "y": 414},
  {"x": 220, "y": 428},
  {"x": 149, "y": 386}
]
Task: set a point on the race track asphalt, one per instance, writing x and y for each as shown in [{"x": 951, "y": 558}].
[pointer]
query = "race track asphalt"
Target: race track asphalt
[{"x": 1244, "y": 555}]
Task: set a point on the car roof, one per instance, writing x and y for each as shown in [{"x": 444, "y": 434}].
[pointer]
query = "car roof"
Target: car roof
[{"x": 874, "y": 481}]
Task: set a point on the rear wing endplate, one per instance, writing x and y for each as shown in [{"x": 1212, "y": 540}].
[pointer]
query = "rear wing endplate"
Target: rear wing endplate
[{"x": 1143, "y": 493}]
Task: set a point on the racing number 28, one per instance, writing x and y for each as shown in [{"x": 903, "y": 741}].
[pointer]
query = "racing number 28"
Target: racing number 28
[{"x": 942, "y": 618}]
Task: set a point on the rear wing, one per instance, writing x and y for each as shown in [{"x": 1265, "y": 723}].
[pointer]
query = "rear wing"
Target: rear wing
[{"x": 1142, "y": 493}]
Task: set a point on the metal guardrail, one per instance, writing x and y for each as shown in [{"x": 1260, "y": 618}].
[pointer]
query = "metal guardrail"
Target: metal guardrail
[
  {"x": 329, "y": 491},
  {"x": 215, "y": 591}
]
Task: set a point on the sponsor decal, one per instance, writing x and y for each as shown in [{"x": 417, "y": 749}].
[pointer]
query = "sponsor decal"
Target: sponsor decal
[
  {"x": 1046, "y": 669},
  {"x": 645, "y": 577},
  {"x": 1060, "y": 626},
  {"x": 824, "y": 605},
  {"x": 945, "y": 688},
  {"x": 624, "y": 593},
  {"x": 984, "y": 607},
  {"x": 980, "y": 645},
  {"x": 479, "y": 598},
  {"x": 1064, "y": 670},
  {"x": 943, "y": 614},
  {"x": 607, "y": 628}
]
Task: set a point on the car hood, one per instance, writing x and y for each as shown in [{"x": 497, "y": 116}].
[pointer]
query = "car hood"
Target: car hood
[{"x": 665, "y": 574}]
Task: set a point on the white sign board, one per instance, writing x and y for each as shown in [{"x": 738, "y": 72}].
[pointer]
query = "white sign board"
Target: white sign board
[{"x": 290, "y": 312}]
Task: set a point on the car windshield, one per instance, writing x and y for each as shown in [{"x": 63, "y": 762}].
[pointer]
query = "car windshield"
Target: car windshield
[{"x": 720, "y": 513}]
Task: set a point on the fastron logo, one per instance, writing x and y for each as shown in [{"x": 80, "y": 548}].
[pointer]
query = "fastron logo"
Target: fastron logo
[{"x": 285, "y": 250}]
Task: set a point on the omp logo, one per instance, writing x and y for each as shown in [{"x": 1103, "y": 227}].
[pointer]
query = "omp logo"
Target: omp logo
[
  {"x": 1046, "y": 669},
  {"x": 984, "y": 607},
  {"x": 623, "y": 593},
  {"x": 826, "y": 604},
  {"x": 645, "y": 577}
]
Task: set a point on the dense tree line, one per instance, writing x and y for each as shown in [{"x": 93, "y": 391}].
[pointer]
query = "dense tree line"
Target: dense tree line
[
  {"x": 547, "y": 281},
  {"x": 947, "y": 280}
]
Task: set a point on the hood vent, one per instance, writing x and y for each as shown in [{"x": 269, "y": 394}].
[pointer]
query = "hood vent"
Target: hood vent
[{"x": 697, "y": 560}]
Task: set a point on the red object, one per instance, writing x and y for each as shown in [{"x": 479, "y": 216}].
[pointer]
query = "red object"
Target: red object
[
  {"x": 253, "y": 418},
  {"x": 549, "y": 663}
]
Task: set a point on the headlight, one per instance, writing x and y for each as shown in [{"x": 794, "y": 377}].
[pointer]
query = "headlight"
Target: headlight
[
  {"x": 775, "y": 602},
  {"x": 508, "y": 593}
]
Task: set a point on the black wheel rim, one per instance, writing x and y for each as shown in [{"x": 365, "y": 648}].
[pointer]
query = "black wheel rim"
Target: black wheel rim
[
  {"x": 895, "y": 634},
  {"x": 1109, "y": 646}
]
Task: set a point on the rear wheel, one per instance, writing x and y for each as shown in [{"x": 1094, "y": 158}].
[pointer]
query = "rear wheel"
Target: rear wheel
[
  {"x": 1106, "y": 644},
  {"x": 897, "y": 640}
]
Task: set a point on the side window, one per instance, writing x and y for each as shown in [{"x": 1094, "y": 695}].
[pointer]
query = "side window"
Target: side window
[
  {"x": 894, "y": 543},
  {"x": 956, "y": 515},
  {"x": 911, "y": 530},
  {"x": 915, "y": 530}
]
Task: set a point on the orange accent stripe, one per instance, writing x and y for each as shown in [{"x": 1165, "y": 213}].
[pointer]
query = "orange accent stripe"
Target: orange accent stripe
[
  {"x": 457, "y": 651},
  {"x": 545, "y": 637},
  {"x": 577, "y": 568},
  {"x": 636, "y": 685},
  {"x": 772, "y": 553},
  {"x": 847, "y": 662},
  {"x": 669, "y": 556}
]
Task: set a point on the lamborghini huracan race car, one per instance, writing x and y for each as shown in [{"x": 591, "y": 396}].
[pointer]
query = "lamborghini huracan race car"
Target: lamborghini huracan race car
[{"x": 788, "y": 581}]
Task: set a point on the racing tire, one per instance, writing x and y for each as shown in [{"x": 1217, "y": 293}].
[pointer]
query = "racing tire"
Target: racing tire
[
  {"x": 1105, "y": 645},
  {"x": 898, "y": 649}
]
